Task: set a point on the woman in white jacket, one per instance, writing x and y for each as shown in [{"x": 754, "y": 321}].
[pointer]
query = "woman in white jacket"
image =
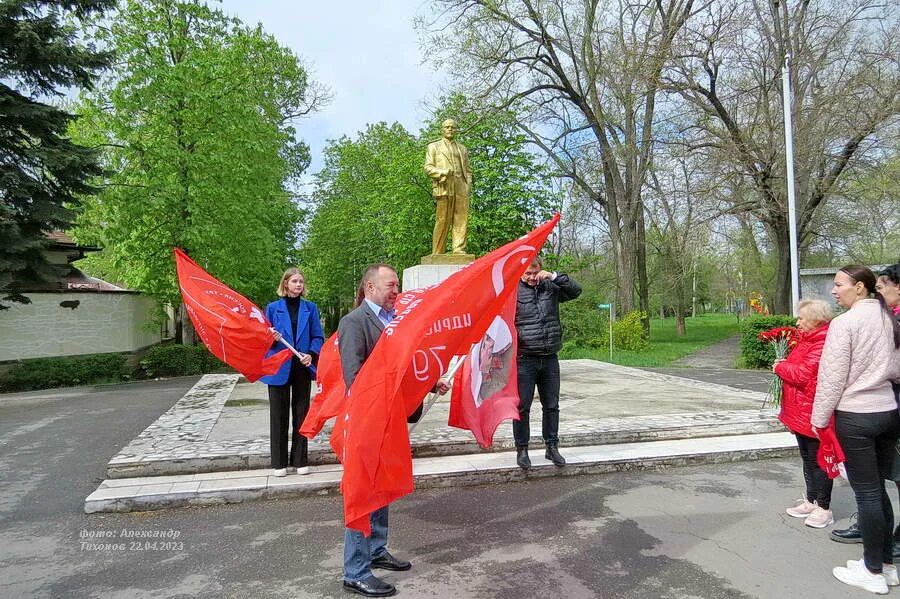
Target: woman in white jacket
[{"x": 859, "y": 362}]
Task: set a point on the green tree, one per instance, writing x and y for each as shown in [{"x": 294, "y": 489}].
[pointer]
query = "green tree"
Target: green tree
[
  {"x": 197, "y": 126},
  {"x": 586, "y": 74},
  {"x": 845, "y": 90},
  {"x": 43, "y": 171},
  {"x": 373, "y": 200},
  {"x": 372, "y": 204}
]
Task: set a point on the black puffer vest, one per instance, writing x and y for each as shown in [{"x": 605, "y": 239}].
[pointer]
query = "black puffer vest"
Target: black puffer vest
[{"x": 537, "y": 315}]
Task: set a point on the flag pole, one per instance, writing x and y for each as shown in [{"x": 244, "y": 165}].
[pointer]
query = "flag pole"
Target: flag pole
[
  {"x": 455, "y": 363},
  {"x": 291, "y": 347}
]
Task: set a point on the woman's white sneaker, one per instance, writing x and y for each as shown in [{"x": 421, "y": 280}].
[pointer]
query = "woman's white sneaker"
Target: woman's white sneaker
[
  {"x": 303, "y": 470},
  {"x": 801, "y": 510},
  {"x": 859, "y": 576},
  {"x": 279, "y": 472},
  {"x": 819, "y": 518}
]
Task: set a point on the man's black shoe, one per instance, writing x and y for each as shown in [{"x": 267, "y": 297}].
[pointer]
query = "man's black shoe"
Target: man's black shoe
[
  {"x": 371, "y": 587},
  {"x": 522, "y": 458},
  {"x": 386, "y": 561},
  {"x": 552, "y": 454},
  {"x": 848, "y": 535}
]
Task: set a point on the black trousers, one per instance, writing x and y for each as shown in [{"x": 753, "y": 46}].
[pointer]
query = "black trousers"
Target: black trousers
[
  {"x": 818, "y": 485},
  {"x": 288, "y": 405},
  {"x": 869, "y": 441},
  {"x": 541, "y": 372}
]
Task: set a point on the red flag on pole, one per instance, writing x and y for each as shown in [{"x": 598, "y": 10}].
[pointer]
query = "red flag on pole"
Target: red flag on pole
[
  {"x": 485, "y": 389},
  {"x": 430, "y": 327},
  {"x": 233, "y": 328},
  {"x": 330, "y": 390}
]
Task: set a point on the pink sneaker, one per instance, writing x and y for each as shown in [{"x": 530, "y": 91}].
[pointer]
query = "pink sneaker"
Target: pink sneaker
[
  {"x": 801, "y": 510},
  {"x": 819, "y": 518}
]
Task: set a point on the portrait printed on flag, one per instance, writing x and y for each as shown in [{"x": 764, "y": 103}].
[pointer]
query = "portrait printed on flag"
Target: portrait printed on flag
[{"x": 492, "y": 361}]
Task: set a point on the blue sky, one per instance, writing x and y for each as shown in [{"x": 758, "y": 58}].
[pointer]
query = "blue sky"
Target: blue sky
[{"x": 366, "y": 52}]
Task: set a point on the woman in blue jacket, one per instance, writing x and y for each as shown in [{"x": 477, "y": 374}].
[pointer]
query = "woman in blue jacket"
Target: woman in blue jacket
[{"x": 297, "y": 320}]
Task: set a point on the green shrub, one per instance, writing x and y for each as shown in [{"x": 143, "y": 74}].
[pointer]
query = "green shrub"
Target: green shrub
[
  {"x": 172, "y": 359},
  {"x": 629, "y": 334},
  {"x": 47, "y": 373},
  {"x": 756, "y": 353},
  {"x": 583, "y": 323}
]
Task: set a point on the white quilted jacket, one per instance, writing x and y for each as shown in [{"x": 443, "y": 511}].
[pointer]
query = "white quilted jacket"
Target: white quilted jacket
[{"x": 859, "y": 361}]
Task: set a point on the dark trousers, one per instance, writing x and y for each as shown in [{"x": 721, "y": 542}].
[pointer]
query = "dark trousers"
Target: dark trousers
[
  {"x": 818, "y": 485},
  {"x": 869, "y": 441},
  {"x": 288, "y": 404},
  {"x": 541, "y": 372}
]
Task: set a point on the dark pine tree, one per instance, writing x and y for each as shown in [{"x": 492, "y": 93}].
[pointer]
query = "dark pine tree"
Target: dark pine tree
[{"x": 42, "y": 172}]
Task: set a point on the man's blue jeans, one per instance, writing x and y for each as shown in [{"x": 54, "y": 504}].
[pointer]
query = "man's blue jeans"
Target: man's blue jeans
[
  {"x": 541, "y": 372},
  {"x": 359, "y": 551}
]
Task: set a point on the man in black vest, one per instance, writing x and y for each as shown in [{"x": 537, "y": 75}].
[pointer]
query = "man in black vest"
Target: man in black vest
[{"x": 540, "y": 338}]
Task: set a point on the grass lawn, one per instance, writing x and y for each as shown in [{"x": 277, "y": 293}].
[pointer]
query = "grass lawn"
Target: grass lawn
[{"x": 665, "y": 346}]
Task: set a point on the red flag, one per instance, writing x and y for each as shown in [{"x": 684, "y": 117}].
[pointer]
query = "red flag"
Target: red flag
[
  {"x": 830, "y": 456},
  {"x": 232, "y": 327},
  {"x": 485, "y": 389},
  {"x": 330, "y": 390},
  {"x": 430, "y": 327}
]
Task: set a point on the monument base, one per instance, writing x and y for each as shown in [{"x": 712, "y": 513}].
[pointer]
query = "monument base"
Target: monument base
[
  {"x": 444, "y": 259},
  {"x": 423, "y": 275}
]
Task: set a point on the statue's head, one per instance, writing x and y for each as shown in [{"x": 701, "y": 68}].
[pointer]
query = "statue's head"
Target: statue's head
[{"x": 449, "y": 128}]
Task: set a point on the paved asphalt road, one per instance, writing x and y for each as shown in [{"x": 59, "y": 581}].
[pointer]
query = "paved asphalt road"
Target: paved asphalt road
[{"x": 699, "y": 532}]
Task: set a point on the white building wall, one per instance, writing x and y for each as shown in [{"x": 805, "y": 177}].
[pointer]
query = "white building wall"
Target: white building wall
[{"x": 101, "y": 323}]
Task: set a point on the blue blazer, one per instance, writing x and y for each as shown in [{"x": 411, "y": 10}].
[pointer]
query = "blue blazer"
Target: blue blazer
[{"x": 309, "y": 337}]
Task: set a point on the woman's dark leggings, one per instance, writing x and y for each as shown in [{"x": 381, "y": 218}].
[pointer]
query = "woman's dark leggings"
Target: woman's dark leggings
[
  {"x": 869, "y": 441},
  {"x": 818, "y": 485}
]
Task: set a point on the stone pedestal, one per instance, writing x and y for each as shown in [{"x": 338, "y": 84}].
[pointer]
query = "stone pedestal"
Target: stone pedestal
[{"x": 434, "y": 269}]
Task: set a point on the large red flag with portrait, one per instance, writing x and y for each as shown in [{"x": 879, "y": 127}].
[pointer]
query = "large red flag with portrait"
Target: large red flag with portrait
[
  {"x": 485, "y": 388},
  {"x": 233, "y": 328},
  {"x": 430, "y": 327}
]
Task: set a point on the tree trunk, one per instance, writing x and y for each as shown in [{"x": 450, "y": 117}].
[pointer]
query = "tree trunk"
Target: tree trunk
[
  {"x": 680, "y": 307},
  {"x": 680, "y": 329},
  {"x": 643, "y": 284},
  {"x": 781, "y": 302},
  {"x": 184, "y": 328},
  {"x": 623, "y": 259}
]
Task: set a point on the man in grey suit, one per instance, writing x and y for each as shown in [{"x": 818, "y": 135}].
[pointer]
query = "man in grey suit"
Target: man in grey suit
[{"x": 358, "y": 332}]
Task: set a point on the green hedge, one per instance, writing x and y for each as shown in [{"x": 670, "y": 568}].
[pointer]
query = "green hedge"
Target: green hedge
[
  {"x": 756, "y": 353},
  {"x": 583, "y": 324},
  {"x": 47, "y": 373},
  {"x": 628, "y": 333},
  {"x": 171, "y": 359}
]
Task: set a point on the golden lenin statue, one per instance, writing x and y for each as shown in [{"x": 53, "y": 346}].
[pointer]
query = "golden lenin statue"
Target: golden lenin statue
[{"x": 447, "y": 164}]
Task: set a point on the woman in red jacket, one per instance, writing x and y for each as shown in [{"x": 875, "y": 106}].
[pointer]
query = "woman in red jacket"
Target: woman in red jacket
[{"x": 799, "y": 371}]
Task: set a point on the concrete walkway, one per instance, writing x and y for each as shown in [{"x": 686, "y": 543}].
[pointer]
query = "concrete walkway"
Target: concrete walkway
[
  {"x": 212, "y": 445},
  {"x": 723, "y": 354}
]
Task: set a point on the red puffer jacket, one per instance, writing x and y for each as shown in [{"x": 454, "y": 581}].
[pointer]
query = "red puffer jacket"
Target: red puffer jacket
[{"x": 799, "y": 373}]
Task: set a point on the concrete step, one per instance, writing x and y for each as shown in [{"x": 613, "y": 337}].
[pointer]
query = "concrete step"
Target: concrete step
[
  {"x": 160, "y": 492},
  {"x": 254, "y": 455}
]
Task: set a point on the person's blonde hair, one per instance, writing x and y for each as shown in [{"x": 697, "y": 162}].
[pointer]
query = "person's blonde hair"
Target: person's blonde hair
[
  {"x": 280, "y": 290},
  {"x": 815, "y": 310}
]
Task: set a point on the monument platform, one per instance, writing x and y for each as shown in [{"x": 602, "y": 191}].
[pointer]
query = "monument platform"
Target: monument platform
[{"x": 213, "y": 446}]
